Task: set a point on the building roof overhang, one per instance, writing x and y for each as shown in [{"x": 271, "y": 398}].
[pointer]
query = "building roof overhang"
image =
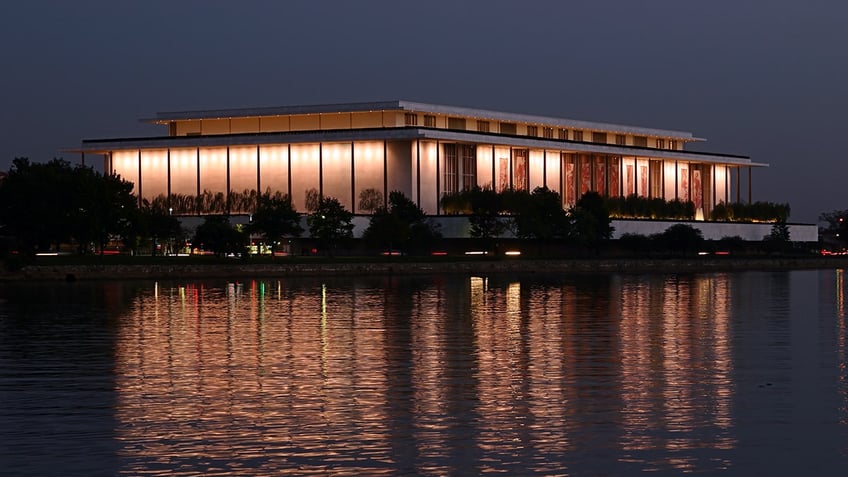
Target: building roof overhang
[{"x": 104, "y": 146}]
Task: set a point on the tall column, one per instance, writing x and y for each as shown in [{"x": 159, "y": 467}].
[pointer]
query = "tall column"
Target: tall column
[
  {"x": 592, "y": 169},
  {"x": 738, "y": 184},
  {"x": 258, "y": 173},
  {"x": 353, "y": 203},
  {"x": 197, "y": 151},
  {"x": 562, "y": 186},
  {"x": 713, "y": 185},
  {"x": 511, "y": 173},
  {"x": 689, "y": 181},
  {"x": 676, "y": 179},
  {"x": 288, "y": 174},
  {"x": 385, "y": 174},
  {"x": 320, "y": 165},
  {"x": 727, "y": 184},
  {"x": 418, "y": 172},
  {"x": 636, "y": 175},
  {"x": 750, "y": 184},
  {"x": 168, "y": 179},
  {"x": 438, "y": 179},
  {"x": 140, "y": 192},
  {"x": 494, "y": 175}
]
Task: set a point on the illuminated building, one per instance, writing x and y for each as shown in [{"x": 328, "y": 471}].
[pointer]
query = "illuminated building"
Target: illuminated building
[{"x": 215, "y": 161}]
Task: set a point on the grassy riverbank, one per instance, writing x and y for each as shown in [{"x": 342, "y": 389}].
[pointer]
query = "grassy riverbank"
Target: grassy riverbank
[{"x": 111, "y": 268}]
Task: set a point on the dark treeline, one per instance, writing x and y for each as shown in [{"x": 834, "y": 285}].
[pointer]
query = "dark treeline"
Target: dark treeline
[
  {"x": 56, "y": 206},
  {"x": 45, "y": 205},
  {"x": 632, "y": 206}
]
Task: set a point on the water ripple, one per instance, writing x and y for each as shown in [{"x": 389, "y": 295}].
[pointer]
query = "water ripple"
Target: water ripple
[{"x": 597, "y": 374}]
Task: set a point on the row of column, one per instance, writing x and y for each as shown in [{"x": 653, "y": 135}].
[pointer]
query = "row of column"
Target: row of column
[{"x": 416, "y": 168}]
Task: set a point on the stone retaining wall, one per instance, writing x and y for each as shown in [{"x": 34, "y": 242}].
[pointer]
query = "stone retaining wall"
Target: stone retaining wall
[{"x": 127, "y": 272}]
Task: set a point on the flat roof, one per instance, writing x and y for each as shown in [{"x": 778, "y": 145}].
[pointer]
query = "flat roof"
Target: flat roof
[{"x": 402, "y": 105}]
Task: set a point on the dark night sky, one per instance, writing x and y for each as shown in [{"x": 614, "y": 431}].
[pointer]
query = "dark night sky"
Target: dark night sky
[{"x": 760, "y": 78}]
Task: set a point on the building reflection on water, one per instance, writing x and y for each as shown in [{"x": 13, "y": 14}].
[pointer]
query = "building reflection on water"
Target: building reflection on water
[
  {"x": 841, "y": 342},
  {"x": 432, "y": 375},
  {"x": 676, "y": 365}
]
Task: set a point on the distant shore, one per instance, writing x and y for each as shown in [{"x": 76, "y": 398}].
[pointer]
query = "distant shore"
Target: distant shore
[{"x": 281, "y": 269}]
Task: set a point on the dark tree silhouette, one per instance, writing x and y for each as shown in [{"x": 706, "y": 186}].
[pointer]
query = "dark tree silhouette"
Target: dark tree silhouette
[
  {"x": 43, "y": 205},
  {"x": 486, "y": 208},
  {"x": 370, "y": 200},
  {"x": 539, "y": 214},
  {"x": 591, "y": 220},
  {"x": 330, "y": 223},
  {"x": 401, "y": 225},
  {"x": 219, "y": 236},
  {"x": 681, "y": 239},
  {"x": 276, "y": 218},
  {"x": 153, "y": 225}
]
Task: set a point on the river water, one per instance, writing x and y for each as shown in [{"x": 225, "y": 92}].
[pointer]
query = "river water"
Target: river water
[{"x": 739, "y": 373}]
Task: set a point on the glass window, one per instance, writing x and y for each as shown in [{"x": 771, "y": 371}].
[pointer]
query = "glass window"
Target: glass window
[
  {"x": 460, "y": 168},
  {"x": 508, "y": 128},
  {"x": 456, "y": 123}
]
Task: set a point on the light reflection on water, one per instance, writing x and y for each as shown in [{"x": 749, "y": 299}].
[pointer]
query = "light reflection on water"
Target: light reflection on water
[{"x": 441, "y": 375}]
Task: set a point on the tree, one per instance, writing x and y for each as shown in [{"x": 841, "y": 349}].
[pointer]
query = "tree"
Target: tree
[
  {"x": 34, "y": 204},
  {"x": 757, "y": 211},
  {"x": 402, "y": 224},
  {"x": 681, "y": 238},
  {"x": 590, "y": 220},
  {"x": 385, "y": 230},
  {"x": 218, "y": 235},
  {"x": 731, "y": 243},
  {"x": 538, "y": 215},
  {"x": 330, "y": 223},
  {"x": 370, "y": 200},
  {"x": 835, "y": 232},
  {"x": 457, "y": 202},
  {"x": 45, "y": 205},
  {"x": 486, "y": 208},
  {"x": 635, "y": 243},
  {"x": 152, "y": 225},
  {"x": 778, "y": 240},
  {"x": 276, "y": 218},
  {"x": 105, "y": 207},
  {"x": 312, "y": 199}
]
